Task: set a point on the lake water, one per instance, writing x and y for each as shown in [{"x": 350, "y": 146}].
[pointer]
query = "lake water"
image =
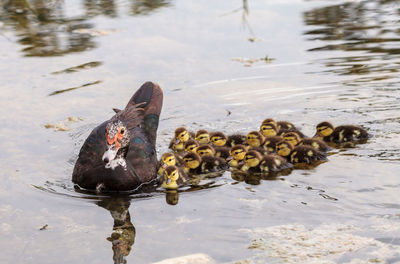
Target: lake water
[{"x": 223, "y": 65}]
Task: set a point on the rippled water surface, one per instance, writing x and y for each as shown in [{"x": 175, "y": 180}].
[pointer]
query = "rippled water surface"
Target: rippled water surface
[{"x": 223, "y": 65}]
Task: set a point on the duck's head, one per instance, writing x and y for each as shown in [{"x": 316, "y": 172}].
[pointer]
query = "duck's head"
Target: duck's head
[
  {"x": 205, "y": 149},
  {"x": 284, "y": 148},
  {"x": 168, "y": 159},
  {"x": 238, "y": 152},
  {"x": 117, "y": 137},
  {"x": 324, "y": 129},
  {"x": 254, "y": 139},
  {"x": 292, "y": 137},
  {"x": 218, "y": 139},
  {"x": 191, "y": 160},
  {"x": 181, "y": 135},
  {"x": 252, "y": 158},
  {"x": 171, "y": 175},
  {"x": 191, "y": 145},
  {"x": 202, "y": 136},
  {"x": 268, "y": 129}
]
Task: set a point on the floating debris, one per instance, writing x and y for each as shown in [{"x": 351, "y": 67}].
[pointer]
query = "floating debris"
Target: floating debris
[
  {"x": 62, "y": 125},
  {"x": 93, "y": 32},
  {"x": 84, "y": 66},
  {"x": 249, "y": 62},
  {"x": 44, "y": 227},
  {"x": 74, "y": 88}
]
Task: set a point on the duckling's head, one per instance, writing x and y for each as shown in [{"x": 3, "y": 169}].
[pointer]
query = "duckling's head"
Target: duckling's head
[
  {"x": 284, "y": 148},
  {"x": 168, "y": 159},
  {"x": 191, "y": 145},
  {"x": 254, "y": 139},
  {"x": 252, "y": 158},
  {"x": 205, "y": 149},
  {"x": 238, "y": 152},
  {"x": 202, "y": 136},
  {"x": 117, "y": 136},
  {"x": 171, "y": 175},
  {"x": 218, "y": 139},
  {"x": 292, "y": 137},
  {"x": 268, "y": 129},
  {"x": 269, "y": 121},
  {"x": 324, "y": 129},
  {"x": 181, "y": 135},
  {"x": 191, "y": 160}
]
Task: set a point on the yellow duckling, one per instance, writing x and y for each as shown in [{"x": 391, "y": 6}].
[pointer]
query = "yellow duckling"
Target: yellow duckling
[
  {"x": 292, "y": 137},
  {"x": 269, "y": 129},
  {"x": 181, "y": 136},
  {"x": 173, "y": 177},
  {"x": 220, "y": 152},
  {"x": 341, "y": 134},
  {"x": 194, "y": 164},
  {"x": 202, "y": 136},
  {"x": 255, "y": 139},
  {"x": 299, "y": 154},
  {"x": 167, "y": 159},
  {"x": 237, "y": 153},
  {"x": 191, "y": 145},
  {"x": 218, "y": 139},
  {"x": 255, "y": 162}
]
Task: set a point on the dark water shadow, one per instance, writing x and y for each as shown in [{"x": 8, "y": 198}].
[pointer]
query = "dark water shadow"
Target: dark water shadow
[
  {"x": 366, "y": 27},
  {"x": 44, "y": 29}
]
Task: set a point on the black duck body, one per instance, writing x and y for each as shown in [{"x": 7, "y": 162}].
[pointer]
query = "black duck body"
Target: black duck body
[{"x": 141, "y": 117}]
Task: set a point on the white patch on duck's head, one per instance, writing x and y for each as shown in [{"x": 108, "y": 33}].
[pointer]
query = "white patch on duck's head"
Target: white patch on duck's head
[{"x": 117, "y": 136}]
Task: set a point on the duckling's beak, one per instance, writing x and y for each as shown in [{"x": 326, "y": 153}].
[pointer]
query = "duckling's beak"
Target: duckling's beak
[
  {"x": 229, "y": 158},
  {"x": 177, "y": 141},
  {"x": 168, "y": 181},
  {"x": 164, "y": 165}
]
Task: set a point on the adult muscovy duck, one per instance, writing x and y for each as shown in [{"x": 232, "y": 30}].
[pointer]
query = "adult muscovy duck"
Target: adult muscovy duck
[{"x": 119, "y": 154}]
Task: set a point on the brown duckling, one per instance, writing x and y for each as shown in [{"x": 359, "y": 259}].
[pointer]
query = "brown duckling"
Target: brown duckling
[
  {"x": 270, "y": 143},
  {"x": 282, "y": 126},
  {"x": 236, "y": 139},
  {"x": 255, "y": 139},
  {"x": 182, "y": 135},
  {"x": 237, "y": 153},
  {"x": 255, "y": 162},
  {"x": 168, "y": 159},
  {"x": 202, "y": 136},
  {"x": 191, "y": 145},
  {"x": 218, "y": 139},
  {"x": 341, "y": 134},
  {"x": 299, "y": 154},
  {"x": 194, "y": 164},
  {"x": 316, "y": 143},
  {"x": 173, "y": 177}
]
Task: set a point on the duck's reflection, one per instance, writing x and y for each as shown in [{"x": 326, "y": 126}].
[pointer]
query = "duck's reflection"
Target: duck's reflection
[
  {"x": 123, "y": 234},
  {"x": 172, "y": 197}
]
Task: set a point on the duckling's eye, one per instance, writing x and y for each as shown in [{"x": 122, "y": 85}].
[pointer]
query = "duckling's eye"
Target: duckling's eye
[
  {"x": 169, "y": 160},
  {"x": 248, "y": 137}
]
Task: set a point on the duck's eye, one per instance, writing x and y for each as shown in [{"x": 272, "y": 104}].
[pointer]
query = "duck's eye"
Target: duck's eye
[{"x": 122, "y": 131}]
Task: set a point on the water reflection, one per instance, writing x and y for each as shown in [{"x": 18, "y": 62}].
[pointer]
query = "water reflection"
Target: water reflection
[
  {"x": 44, "y": 29},
  {"x": 367, "y": 27},
  {"x": 123, "y": 234}
]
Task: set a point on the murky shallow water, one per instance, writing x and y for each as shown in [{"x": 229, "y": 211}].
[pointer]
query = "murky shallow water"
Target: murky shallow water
[{"x": 331, "y": 60}]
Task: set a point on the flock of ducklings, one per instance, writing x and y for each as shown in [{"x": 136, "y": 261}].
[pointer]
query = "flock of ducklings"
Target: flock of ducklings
[{"x": 277, "y": 146}]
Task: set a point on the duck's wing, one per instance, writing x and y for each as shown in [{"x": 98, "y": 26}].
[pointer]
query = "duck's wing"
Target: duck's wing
[{"x": 150, "y": 98}]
